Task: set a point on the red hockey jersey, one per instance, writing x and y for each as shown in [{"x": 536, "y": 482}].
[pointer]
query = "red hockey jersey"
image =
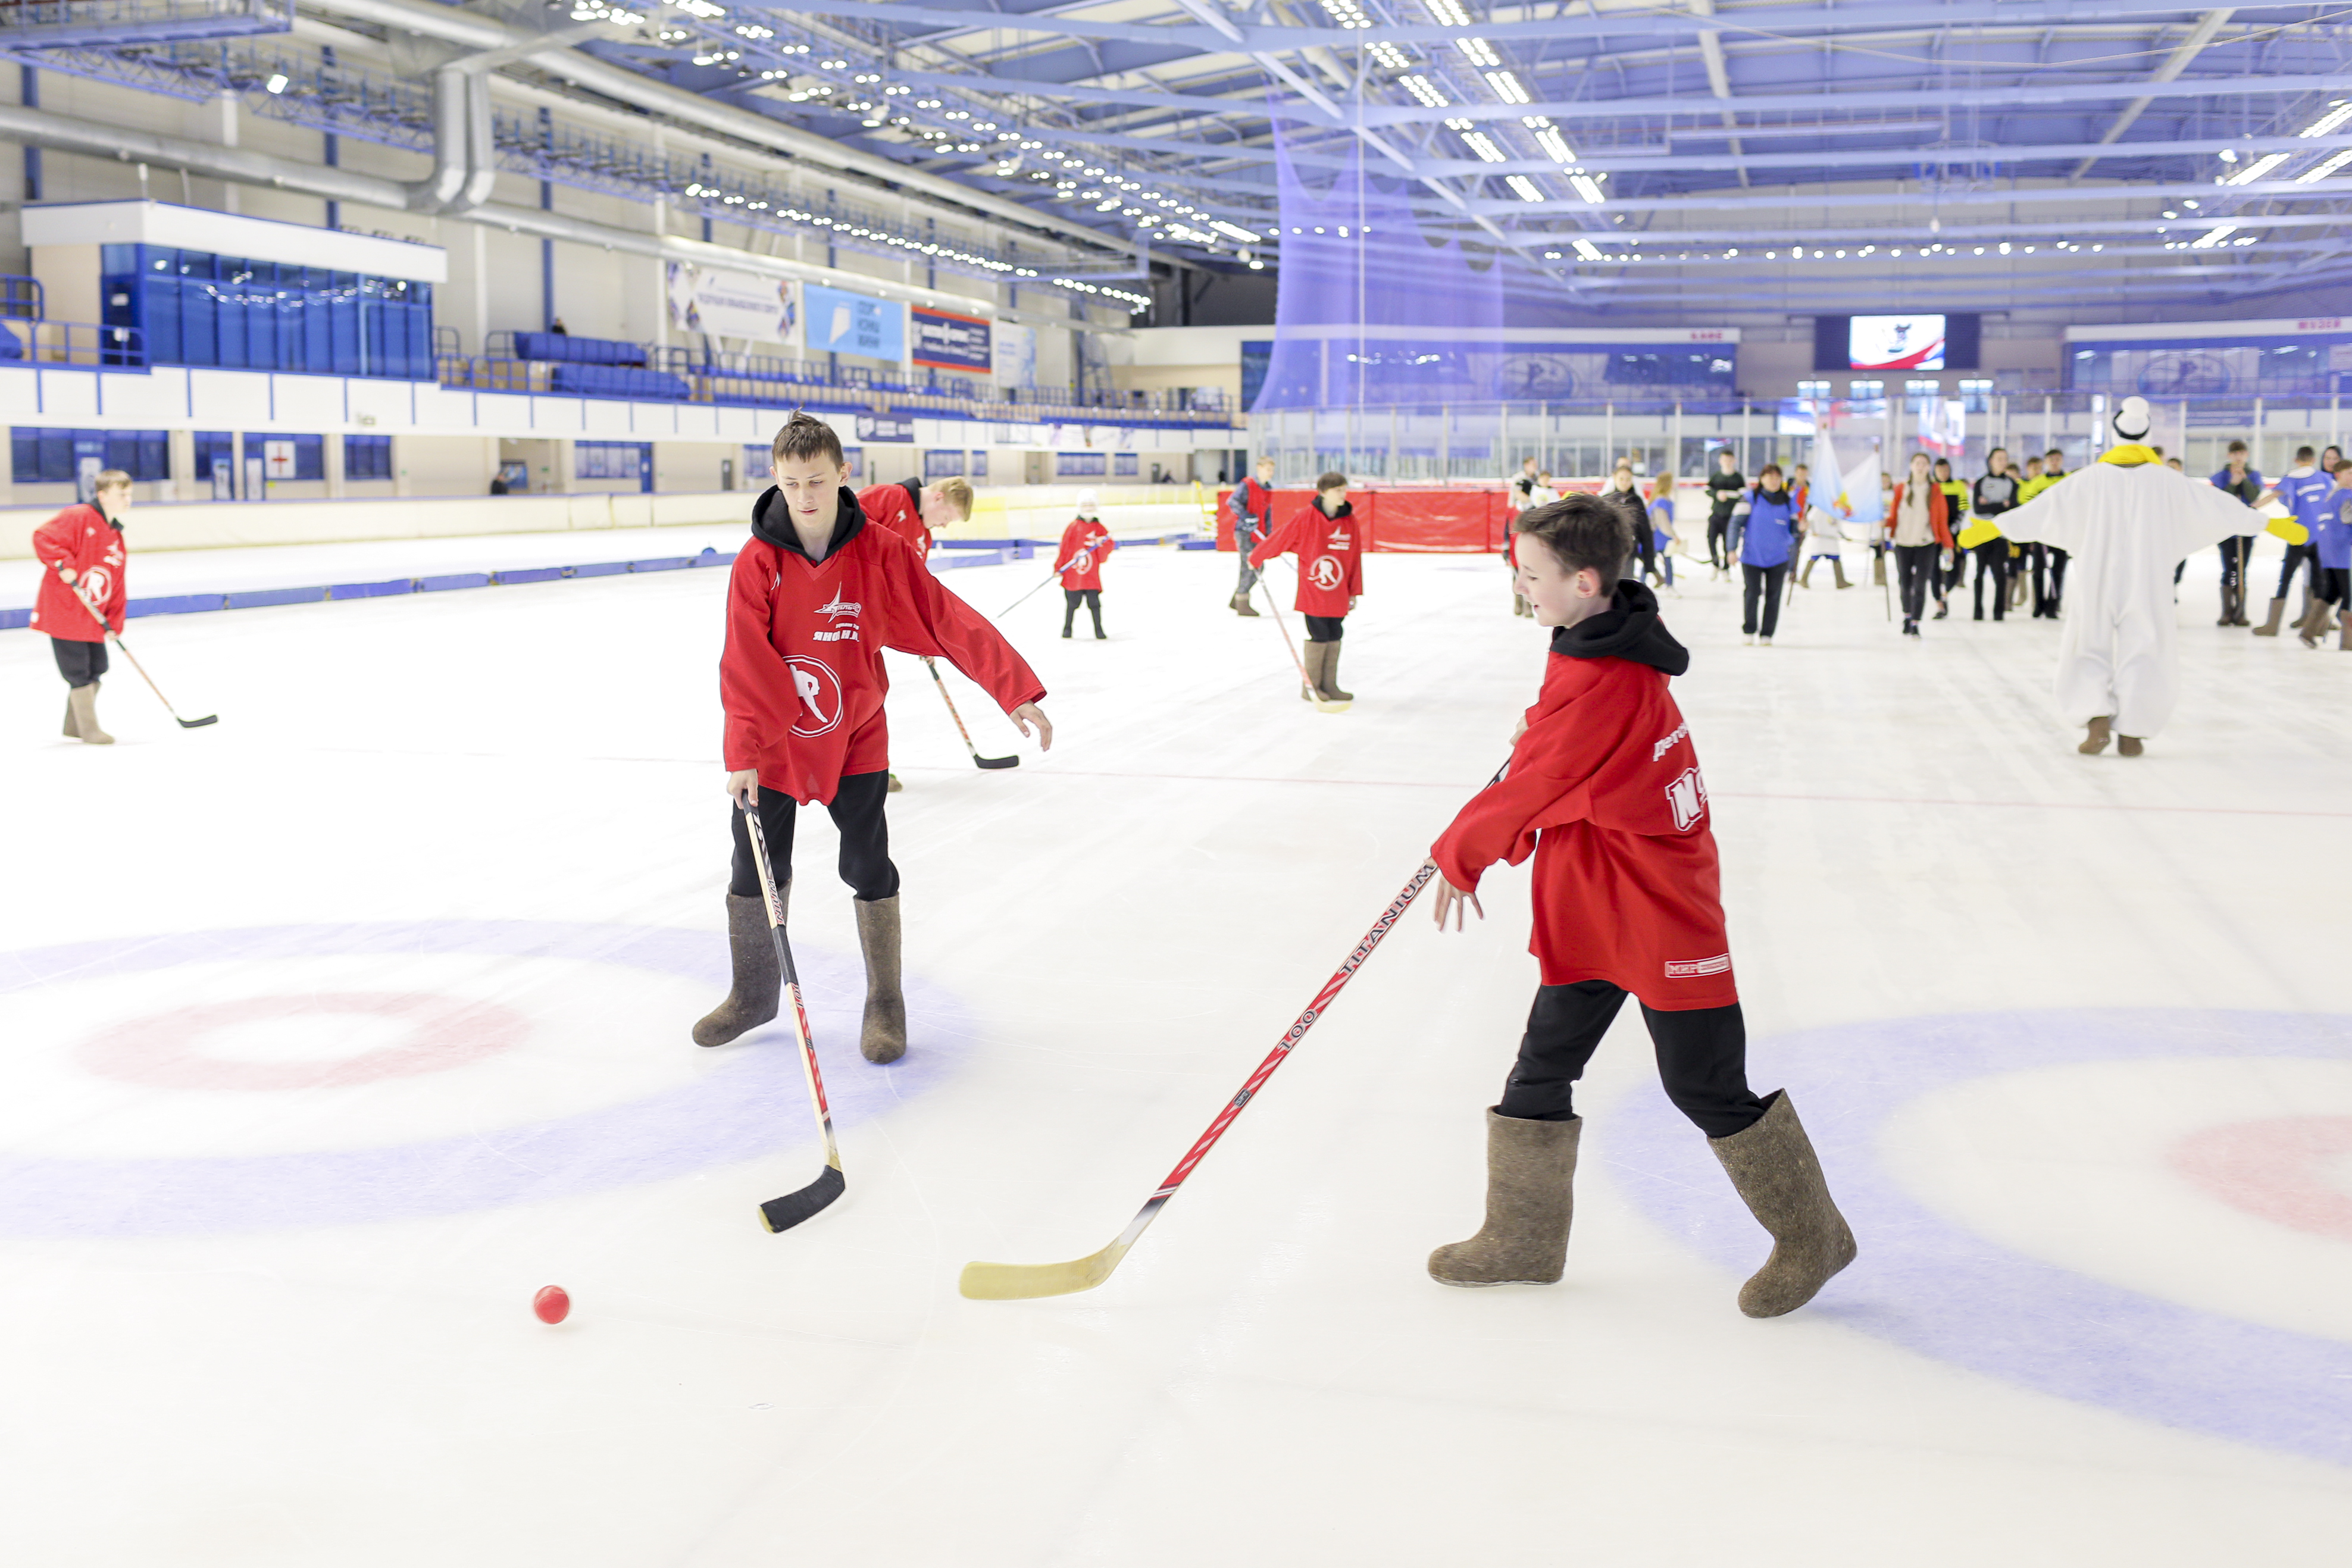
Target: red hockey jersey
[
  {"x": 80, "y": 537},
  {"x": 899, "y": 509},
  {"x": 1085, "y": 543},
  {"x": 1604, "y": 788},
  {"x": 802, "y": 680},
  {"x": 1330, "y": 557}
]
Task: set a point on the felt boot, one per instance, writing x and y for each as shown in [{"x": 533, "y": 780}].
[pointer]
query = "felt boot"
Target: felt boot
[
  {"x": 884, "y": 1036},
  {"x": 1773, "y": 1168},
  {"x": 2270, "y": 626},
  {"x": 759, "y": 979},
  {"x": 2229, "y": 606},
  {"x": 2095, "y": 741},
  {"x": 2313, "y": 625},
  {"x": 2344, "y": 631},
  {"x": 1242, "y": 606},
  {"x": 2129, "y": 745},
  {"x": 82, "y": 702},
  {"x": 1837, "y": 565},
  {"x": 1530, "y": 1200},
  {"x": 1878, "y": 569},
  {"x": 1311, "y": 656},
  {"x": 1328, "y": 681},
  {"x": 1805, "y": 578},
  {"x": 73, "y": 726}
]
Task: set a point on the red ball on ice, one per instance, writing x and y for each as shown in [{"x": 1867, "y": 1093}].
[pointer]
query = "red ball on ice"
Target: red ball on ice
[{"x": 552, "y": 1304}]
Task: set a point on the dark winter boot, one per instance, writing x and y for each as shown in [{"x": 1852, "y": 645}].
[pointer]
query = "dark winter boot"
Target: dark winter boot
[
  {"x": 1530, "y": 1200},
  {"x": 1772, "y": 1166},
  {"x": 2270, "y": 626},
  {"x": 884, "y": 1036},
  {"x": 2095, "y": 741},
  {"x": 1094, "y": 608},
  {"x": 758, "y": 977},
  {"x": 82, "y": 703},
  {"x": 2229, "y": 606},
  {"x": 1327, "y": 682}
]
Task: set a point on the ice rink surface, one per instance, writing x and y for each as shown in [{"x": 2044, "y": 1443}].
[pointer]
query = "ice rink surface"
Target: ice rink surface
[{"x": 332, "y": 1033}]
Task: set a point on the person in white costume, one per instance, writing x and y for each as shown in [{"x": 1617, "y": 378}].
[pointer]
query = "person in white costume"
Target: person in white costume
[{"x": 2126, "y": 520}]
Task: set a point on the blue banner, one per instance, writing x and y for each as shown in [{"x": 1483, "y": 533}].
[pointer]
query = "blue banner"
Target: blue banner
[
  {"x": 947, "y": 341},
  {"x": 841, "y": 322}
]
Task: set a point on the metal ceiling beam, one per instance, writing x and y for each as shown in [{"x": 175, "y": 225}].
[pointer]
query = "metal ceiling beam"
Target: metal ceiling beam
[
  {"x": 2174, "y": 64},
  {"x": 2005, "y": 156},
  {"x": 1933, "y": 201},
  {"x": 1718, "y": 81}
]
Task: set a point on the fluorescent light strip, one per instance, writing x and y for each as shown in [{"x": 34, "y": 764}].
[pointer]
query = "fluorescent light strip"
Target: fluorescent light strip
[
  {"x": 1480, "y": 51},
  {"x": 2327, "y": 122},
  {"x": 1527, "y": 189},
  {"x": 2320, "y": 171},
  {"x": 2257, "y": 169},
  {"x": 1507, "y": 87},
  {"x": 1428, "y": 92}
]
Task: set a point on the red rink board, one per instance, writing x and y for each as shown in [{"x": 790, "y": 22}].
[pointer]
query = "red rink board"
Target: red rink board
[{"x": 1415, "y": 521}]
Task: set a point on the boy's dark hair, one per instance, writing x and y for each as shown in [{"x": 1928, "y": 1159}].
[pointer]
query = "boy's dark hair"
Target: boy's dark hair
[
  {"x": 2237, "y": 446},
  {"x": 1769, "y": 468},
  {"x": 1332, "y": 480},
  {"x": 2054, "y": 452},
  {"x": 1943, "y": 463},
  {"x": 2302, "y": 454},
  {"x": 805, "y": 436},
  {"x": 1583, "y": 531}
]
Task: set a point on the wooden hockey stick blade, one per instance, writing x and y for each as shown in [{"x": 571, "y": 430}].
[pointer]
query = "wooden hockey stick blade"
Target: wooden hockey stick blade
[
  {"x": 995, "y": 762},
  {"x": 1025, "y": 1282},
  {"x": 1324, "y": 705},
  {"x": 781, "y": 1214}
]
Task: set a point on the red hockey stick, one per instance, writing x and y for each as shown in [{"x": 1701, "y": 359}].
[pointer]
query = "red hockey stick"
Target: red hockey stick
[
  {"x": 1016, "y": 1281},
  {"x": 781, "y": 1214}
]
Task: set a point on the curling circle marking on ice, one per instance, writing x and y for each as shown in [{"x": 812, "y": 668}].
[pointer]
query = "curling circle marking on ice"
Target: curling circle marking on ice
[
  {"x": 165, "y": 1050},
  {"x": 1935, "y": 1286},
  {"x": 748, "y": 1101}
]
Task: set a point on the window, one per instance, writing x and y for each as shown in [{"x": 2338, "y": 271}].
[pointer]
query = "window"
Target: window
[
  {"x": 1977, "y": 393},
  {"x": 978, "y": 467},
  {"x": 1922, "y": 394},
  {"x": 215, "y": 446},
  {"x": 942, "y": 464},
  {"x": 367, "y": 456},
  {"x": 1081, "y": 465},
  {"x": 1126, "y": 465},
  {"x": 1865, "y": 392},
  {"x": 758, "y": 462},
  {"x": 1818, "y": 390},
  {"x": 54, "y": 456},
  {"x": 608, "y": 459}
]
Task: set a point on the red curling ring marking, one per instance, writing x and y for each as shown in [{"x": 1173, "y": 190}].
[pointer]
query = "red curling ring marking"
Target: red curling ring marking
[
  {"x": 167, "y": 1051},
  {"x": 2275, "y": 1168}
]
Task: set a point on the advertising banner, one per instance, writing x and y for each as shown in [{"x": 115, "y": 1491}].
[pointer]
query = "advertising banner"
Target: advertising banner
[
  {"x": 1015, "y": 353},
  {"x": 841, "y": 322},
  {"x": 732, "y": 303},
  {"x": 886, "y": 427},
  {"x": 945, "y": 340}
]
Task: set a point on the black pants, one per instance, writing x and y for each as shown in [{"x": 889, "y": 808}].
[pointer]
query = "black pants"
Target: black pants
[
  {"x": 1326, "y": 627},
  {"x": 1072, "y": 597},
  {"x": 1702, "y": 1058},
  {"x": 1957, "y": 573},
  {"x": 2334, "y": 587},
  {"x": 1915, "y": 569},
  {"x": 2053, "y": 559},
  {"x": 1718, "y": 530},
  {"x": 78, "y": 663},
  {"x": 857, "y": 811},
  {"x": 2305, "y": 556},
  {"x": 2234, "y": 554},
  {"x": 1763, "y": 581},
  {"x": 1992, "y": 561}
]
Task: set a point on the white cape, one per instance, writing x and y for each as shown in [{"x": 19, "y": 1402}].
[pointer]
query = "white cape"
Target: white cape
[{"x": 2126, "y": 527}]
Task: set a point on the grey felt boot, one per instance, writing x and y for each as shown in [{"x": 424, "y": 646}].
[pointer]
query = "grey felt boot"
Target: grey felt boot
[
  {"x": 2270, "y": 626},
  {"x": 759, "y": 979},
  {"x": 82, "y": 702},
  {"x": 1328, "y": 681},
  {"x": 1311, "y": 658},
  {"x": 884, "y": 1035},
  {"x": 1530, "y": 1201},
  {"x": 73, "y": 726},
  {"x": 1773, "y": 1168},
  {"x": 2095, "y": 741}
]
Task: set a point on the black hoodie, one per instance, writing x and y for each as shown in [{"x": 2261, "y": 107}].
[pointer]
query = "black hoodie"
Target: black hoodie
[
  {"x": 770, "y": 521},
  {"x": 1627, "y": 629}
]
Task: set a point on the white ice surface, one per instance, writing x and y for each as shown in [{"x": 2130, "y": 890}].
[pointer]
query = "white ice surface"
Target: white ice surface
[{"x": 1127, "y": 924}]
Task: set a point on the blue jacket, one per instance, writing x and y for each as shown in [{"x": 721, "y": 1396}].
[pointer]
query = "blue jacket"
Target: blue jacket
[
  {"x": 2309, "y": 498},
  {"x": 2333, "y": 534},
  {"x": 1771, "y": 528}
]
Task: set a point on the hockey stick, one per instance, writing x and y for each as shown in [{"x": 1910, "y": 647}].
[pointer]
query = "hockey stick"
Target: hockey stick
[
  {"x": 781, "y": 1214},
  {"x": 1024, "y": 597},
  {"x": 116, "y": 638},
  {"x": 978, "y": 760},
  {"x": 1020, "y": 1281},
  {"x": 1306, "y": 687}
]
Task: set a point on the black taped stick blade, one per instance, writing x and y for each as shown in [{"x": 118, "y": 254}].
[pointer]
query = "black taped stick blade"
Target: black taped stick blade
[
  {"x": 781, "y": 1214},
  {"x": 996, "y": 762},
  {"x": 199, "y": 723}
]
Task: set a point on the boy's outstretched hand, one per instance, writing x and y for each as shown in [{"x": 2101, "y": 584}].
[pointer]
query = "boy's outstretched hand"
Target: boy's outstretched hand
[
  {"x": 1028, "y": 714},
  {"x": 1451, "y": 900}
]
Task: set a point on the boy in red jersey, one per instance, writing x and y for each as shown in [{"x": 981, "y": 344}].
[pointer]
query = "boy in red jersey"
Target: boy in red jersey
[
  {"x": 1604, "y": 788},
  {"x": 912, "y": 509},
  {"x": 815, "y": 595},
  {"x": 1085, "y": 543},
  {"x": 1330, "y": 550},
  {"x": 81, "y": 556}
]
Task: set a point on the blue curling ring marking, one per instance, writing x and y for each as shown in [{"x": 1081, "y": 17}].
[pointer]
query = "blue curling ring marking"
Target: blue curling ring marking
[
  {"x": 750, "y": 1103},
  {"x": 1931, "y": 1286}
]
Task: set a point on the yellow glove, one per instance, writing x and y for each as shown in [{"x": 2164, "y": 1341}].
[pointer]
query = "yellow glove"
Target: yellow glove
[
  {"x": 1979, "y": 532},
  {"x": 2289, "y": 530}
]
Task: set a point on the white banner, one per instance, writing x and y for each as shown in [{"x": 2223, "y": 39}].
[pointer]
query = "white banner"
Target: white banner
[
  {"x": 1015, "y": 352},
  {"x": 732, "y": 304}
]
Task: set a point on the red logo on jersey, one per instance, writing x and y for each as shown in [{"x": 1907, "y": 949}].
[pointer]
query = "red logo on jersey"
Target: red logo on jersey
[
  {"x": 1326, "y": 573},
  {"x": 819, "y": 690}
]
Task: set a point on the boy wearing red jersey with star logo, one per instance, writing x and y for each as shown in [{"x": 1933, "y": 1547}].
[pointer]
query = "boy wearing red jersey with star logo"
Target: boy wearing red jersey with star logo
[
  {"x": 1604, "y": 789},
  {"x": 816, "y": 594},
  {"x": 1330, "y": 547}
]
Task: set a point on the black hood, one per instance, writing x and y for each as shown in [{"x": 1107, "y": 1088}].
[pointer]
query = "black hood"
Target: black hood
[
  {"x": 1627, "y": 629},
  {"x": 771, "y": 523},
  {"x": 1346, "y": 509}
]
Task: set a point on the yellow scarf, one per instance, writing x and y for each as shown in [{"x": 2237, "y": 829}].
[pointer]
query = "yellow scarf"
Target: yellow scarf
[{"x": 2130, "y": 454}]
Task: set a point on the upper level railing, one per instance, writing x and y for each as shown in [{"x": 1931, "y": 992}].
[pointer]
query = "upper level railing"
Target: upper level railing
[
  {"x": 113, "y": 24},
  {"x": 21, "y": 297},
  {"x": 35, "y": 343}
]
